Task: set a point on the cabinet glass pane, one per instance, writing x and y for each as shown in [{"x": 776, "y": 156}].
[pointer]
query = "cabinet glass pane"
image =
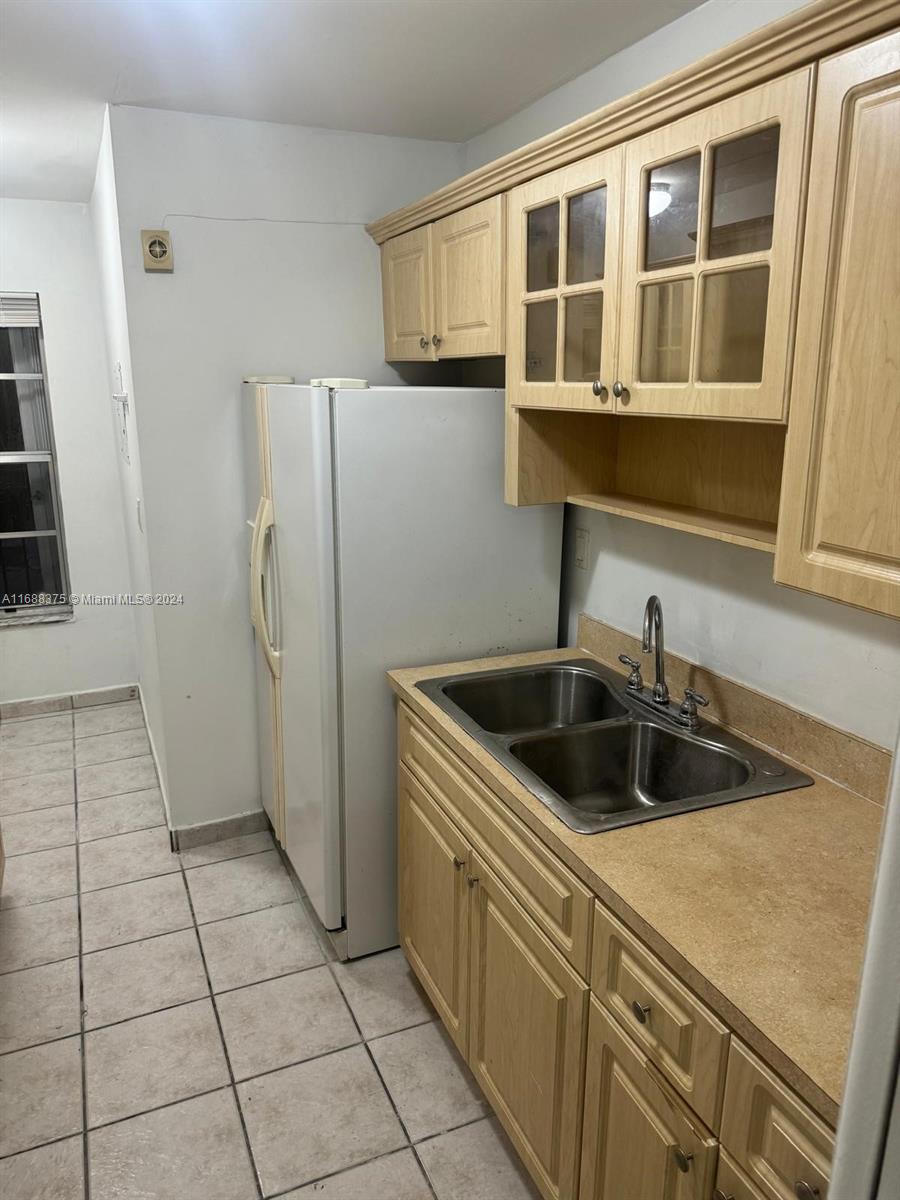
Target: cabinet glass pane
[
  {"x": 583, "y": 316},
  {"x": 670, "y": 212},
  {"x": 743, "y": 194},
  {"x": 20, "y": 352},
  {"x": 26, "y": 501},
  {"x": 543, "y": 248},
  {"x": 586, "y": 236},
  {"x": 540, "y": 342},
  {"x": 733, "y": 326},
  {"x": 666, "y": 331},
  {"x": 24, "y": 421},
  {"x": 29, "y": 572}
]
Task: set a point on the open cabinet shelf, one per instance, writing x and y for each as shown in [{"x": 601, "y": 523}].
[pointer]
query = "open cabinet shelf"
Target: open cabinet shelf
[
  {"x": 741, "y": 531},
  {"x": 717, "y": 479}
]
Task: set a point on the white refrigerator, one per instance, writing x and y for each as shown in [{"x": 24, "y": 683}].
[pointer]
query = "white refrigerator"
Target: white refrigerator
[{"x": 379, "y": 539}]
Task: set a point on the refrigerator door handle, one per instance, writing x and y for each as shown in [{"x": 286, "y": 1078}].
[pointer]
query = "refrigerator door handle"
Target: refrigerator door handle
[
  {"x": 266, "y": 521},
  {"x": 254, "y": 546}
]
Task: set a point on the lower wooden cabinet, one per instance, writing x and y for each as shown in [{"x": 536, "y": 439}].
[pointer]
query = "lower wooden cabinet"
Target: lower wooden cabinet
[
  {"x": 527, "y": 1019},
  {"x": 433, "y": 904},
  {"x": 599, "y": 1104},
  {"x": 640, "y": 1141}
]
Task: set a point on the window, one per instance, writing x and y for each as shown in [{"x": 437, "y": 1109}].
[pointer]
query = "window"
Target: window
[{"x": 33, "y": 577}]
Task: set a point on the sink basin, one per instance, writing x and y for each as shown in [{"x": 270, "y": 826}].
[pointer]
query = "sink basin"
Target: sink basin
[
  {"x": 596, "y": 756},
  {"x": 544, "y": 698},
  {"x": 628, "y": 765}
]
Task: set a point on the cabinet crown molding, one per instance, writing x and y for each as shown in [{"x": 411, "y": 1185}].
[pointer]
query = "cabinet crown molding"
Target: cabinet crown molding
[{"x": 801, "y": 37}]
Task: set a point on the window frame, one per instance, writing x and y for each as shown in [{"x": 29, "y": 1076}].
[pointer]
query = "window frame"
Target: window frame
[{"x": 33, "y": 614}]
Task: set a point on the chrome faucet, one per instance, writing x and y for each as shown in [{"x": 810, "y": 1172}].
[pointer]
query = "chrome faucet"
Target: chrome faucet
[{"x": 653, "y": 636}]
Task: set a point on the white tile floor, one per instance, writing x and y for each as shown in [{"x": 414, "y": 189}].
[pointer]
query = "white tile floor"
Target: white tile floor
[{"x": 175, "y": 1027}]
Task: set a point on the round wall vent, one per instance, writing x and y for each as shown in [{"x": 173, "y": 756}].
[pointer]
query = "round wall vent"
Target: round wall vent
[{"x": 156, "y": 245}]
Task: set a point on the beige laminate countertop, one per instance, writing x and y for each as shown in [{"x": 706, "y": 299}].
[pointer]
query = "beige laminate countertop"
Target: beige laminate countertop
[{"x": 760, "y": 906}]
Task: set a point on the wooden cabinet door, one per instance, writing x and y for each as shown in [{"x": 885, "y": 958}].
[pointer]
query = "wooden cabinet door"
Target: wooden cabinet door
[
  {"x": 433, "y": 903},
  {"x": 407, "y": 292},
  {"x": 839, "y": 527},
  {"x": 562, "y": 296},
  {"x": 526, "y": 1035},
  {"x": 469, "y": 250},
  {"x": 640, "y": 1141},
  {"x": 711, "y": 230}
]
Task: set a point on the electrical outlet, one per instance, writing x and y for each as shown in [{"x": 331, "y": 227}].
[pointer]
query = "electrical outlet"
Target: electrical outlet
[{"x": 582, "y": 548}]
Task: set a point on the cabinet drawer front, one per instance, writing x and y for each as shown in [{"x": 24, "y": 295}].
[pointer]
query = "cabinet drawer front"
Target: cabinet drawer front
[
  {"x": 551, "y": 894},
  {"x": 732, "y": 1183},
  {"x": 678, "y": 1032},
  {"x": 770, "y": 1133},
  {"x": 635, "y": 1128}
]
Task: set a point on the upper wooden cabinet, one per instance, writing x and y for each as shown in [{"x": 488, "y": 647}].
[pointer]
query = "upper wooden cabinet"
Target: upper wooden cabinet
[
  {"x": 407, "y": 292},
  {"x": 712, "y": 224},
  {"x": 659, "y": 277},
  {"x": 443, "y": 286},
  {"x": 839, "y": 527},
  {"x": 563, "y": 256}
]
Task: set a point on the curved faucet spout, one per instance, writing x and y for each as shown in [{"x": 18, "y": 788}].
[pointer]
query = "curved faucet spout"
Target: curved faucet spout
[{"x": 653, "y": 636}]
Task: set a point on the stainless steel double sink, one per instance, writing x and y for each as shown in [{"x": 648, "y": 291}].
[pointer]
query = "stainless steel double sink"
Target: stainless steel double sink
[{"x": 597, "y": 758}]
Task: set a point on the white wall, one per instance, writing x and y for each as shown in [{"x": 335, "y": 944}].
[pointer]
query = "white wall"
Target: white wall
[
  {"x": 722, "y": 608},
  {"x": 676, "y": 45},
  {"x": 274, "y": 273},
  {"x": 47, "y": 247},
  {"x": 105, "y": 219}
]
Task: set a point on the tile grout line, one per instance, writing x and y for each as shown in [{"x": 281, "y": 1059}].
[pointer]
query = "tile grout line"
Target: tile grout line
[
  {"x": 212, "y": 996},
  {"x": 85, "y": 1152},
  {"x": 105, "y": 837},
  {"x": 380, "y": 1077}
]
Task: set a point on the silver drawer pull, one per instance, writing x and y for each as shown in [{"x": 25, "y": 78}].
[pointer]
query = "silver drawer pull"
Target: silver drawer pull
[
  {"x": 641, "y": 1011},
  {"x": 806, "y": 1191},
  {"x": 718, "y": 1194},
  {"x": 683, "y": 1159}
]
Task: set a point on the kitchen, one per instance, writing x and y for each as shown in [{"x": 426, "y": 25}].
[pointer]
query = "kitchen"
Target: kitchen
[{"x": 645, "y": 355}]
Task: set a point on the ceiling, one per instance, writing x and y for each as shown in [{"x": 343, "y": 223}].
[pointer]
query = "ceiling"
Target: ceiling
[{"x": 437, "y": 69}]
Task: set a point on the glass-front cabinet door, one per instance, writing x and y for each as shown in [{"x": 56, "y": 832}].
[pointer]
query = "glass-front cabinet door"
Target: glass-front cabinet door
[
  {"x": 710, "y": 254},
  {"x": 562, "y": 303}
]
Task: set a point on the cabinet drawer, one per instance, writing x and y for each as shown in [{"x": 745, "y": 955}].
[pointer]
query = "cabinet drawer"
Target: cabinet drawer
[
  {"x": 675, "y": 1029},
  {"x": 558, "y": 902},
  {"x": 776, "y": 1140},
  {"x": 732, "y": 1183}
]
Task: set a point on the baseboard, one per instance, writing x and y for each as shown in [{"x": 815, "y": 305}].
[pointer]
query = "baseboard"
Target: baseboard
[
  {"x": 42, "y": 706},
  {"x": 189, "y": 836}
]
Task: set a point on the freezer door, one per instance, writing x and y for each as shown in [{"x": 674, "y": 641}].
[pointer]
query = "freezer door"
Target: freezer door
[
  {"x": 433, "y": 567},
  {"x": 303, "y": 545}
]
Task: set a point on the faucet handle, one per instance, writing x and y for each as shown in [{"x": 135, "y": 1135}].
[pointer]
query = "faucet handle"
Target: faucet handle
[
  {"x": 635, "y": 680},
  {"x": 689, "y": 704}
]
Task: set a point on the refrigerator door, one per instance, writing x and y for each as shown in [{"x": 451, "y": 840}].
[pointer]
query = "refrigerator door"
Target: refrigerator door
[
  {"x": 433, "y": 567},
  {"x": 261, "y": 578},
  {"x": 303, "y": 543}
]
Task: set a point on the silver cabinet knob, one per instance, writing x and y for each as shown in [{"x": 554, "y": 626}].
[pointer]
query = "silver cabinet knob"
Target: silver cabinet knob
[
  {"x": 423, "y": 343},
  {"x": 435, "y": 340},
  {"x": 621, "y": 392},
  {"x": 641, "y": 1011},
  {"x": 599, "y": 390},
  {"x": 806, "y": 1191},
  {"x": 459, "y": 863},
  {"x": 683, "y": 1159},
  {"x": 471, "y": 880}
]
